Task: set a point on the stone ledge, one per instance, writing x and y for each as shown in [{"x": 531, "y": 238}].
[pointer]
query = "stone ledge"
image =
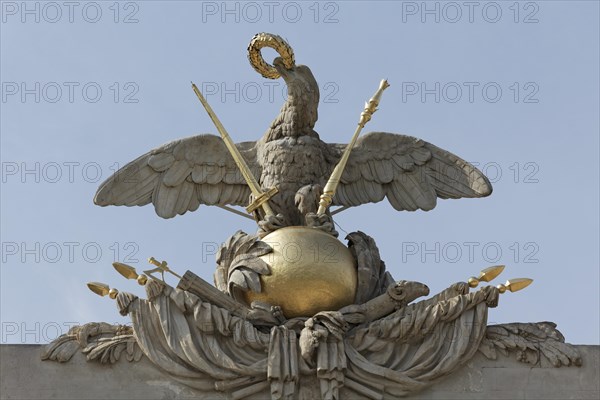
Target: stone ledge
[{"x": 24, "y": 376}]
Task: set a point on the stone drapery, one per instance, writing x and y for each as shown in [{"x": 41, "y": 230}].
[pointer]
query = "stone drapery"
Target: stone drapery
[{"x": 208, "y": 348}]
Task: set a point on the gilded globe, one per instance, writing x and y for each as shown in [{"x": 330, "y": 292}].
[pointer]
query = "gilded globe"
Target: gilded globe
[{"x": 311, "y": 271}]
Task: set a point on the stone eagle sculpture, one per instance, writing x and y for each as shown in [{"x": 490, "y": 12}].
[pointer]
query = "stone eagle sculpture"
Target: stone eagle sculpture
[
  {"x": 329, "y": 322},
  {"x": 179, "y": 176}
]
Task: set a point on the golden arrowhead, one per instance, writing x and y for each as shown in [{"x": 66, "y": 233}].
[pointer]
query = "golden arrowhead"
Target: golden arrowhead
[
  {"x": 514, "y": 285},
  {"x": 101, "y": 289},
  {"x": 488, "y": 274},
  {"x": 126, "y": 270}
]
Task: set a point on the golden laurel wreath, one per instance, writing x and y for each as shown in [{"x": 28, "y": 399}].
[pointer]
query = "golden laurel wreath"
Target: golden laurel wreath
[{"x": 275, "y": 42}]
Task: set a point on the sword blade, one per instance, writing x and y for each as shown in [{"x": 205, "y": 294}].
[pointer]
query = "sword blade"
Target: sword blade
[{"x": 234, "y": 151}]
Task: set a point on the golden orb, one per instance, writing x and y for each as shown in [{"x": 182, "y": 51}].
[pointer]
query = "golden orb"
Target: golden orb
[{"x": 311, "y": 271}]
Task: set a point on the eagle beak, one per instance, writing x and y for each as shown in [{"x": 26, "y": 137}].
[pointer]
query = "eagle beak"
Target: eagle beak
[{"x": 280, "y": 67}]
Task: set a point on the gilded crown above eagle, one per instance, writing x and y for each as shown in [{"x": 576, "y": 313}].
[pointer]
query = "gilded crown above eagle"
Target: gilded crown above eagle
[{"x": 291, "y": 157}]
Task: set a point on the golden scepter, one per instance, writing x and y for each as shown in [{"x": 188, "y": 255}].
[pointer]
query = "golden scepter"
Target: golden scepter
[
  {"x": 261, "y": 198},
  {"x": 336, "y": 175}
]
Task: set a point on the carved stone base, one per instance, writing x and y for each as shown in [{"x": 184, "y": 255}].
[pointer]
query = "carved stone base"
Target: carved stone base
[{"x": 23, "y": 376}]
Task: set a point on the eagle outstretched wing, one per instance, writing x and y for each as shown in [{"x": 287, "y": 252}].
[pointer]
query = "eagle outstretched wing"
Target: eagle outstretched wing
[
  {"x": 179, "y": 176},
  {"x": 410, "y": 172}
]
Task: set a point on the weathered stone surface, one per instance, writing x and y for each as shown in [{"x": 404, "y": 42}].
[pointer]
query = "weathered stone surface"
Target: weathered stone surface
[
  {"x": 180, "y": 176},
  {"x": 356, "y": 329},
  {"x": 377, "y": 345},
  {"x": 24, "y": 376}
]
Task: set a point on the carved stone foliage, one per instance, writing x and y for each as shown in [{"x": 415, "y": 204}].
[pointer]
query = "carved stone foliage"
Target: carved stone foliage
[
  {"x": 206, "y": 347},
  {"x": 388, "y": 344},
  {"x": 354, "y": 328},
  {"x": 533, "y": 343},
  {"x": 239, "y": 265},
  {"x": 100, "y": 342}
]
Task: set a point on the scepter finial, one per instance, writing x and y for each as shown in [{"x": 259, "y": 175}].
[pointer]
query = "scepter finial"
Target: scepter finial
[{"x": 336, "y": 175}]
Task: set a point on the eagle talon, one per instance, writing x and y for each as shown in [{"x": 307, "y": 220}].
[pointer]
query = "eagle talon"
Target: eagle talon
[
  {"x": 270, "y": 223},
  {"x": 322, "y": 222}
]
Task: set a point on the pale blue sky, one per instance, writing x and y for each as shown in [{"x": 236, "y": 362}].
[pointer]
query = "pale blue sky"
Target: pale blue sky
[{"x": 537, "y": 140}]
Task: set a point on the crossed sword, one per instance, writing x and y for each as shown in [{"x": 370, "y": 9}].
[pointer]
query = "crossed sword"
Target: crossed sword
[{"x": 261, "y": 199}]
